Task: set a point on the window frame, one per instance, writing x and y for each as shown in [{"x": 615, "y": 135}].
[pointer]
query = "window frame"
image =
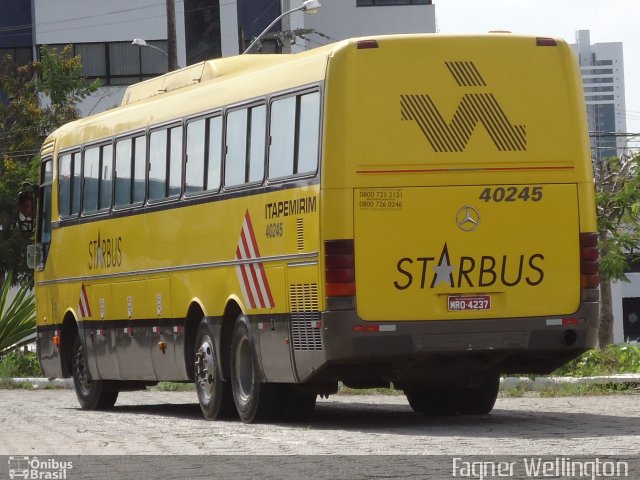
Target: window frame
[
  {"x": 179, "y": 123},
  {"x": 72, "y": 152},
  {"x": 99, "y": 145},
  {"x": 207, "y": 117},
  {"x": 256, "y": 102},
  {"x": 131, "y": 136},
  {"x": 289, "y": 94}
]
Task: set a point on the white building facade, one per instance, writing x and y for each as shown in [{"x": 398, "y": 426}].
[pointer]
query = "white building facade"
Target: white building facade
[
  {"x": 602, "y": 69},
  {"x": 101, "y": 32}
]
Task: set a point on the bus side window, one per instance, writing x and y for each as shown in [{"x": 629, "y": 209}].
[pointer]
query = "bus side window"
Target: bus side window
[
  {"x": 44, "y": 220},
  {"x": 64, "y": 185},
  {"x": 106, "y": 170},
  {"x": 157, "y": 164},
  {"x": 165, "y": 163},
  {"x": 236, "y": 140},
  {"x": 123, "y": 172},
  {"x": 245, "y": 159},
  {"x": 294, "y": 130},
  {"x": 174, "y": 184},
  {"x": 283, "y": 134},
  {"x": 139, "y": 168},
  {"x": 308, "y": 133},
  {"x": 195, "y": 164},
  {"x": 91, "y": 174},
  {"x": 76, "y": 183},
  {"x": 69, "y": 184},
  {"x": 214, "y": 156}
]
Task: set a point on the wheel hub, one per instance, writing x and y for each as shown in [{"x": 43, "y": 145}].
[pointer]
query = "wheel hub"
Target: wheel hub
[{"x": 205, "y": 369}]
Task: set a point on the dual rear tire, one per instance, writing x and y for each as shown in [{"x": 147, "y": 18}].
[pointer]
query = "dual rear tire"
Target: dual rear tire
[
  {"x": 245, "y": 393},
  {"x": 256, "y": 401}
]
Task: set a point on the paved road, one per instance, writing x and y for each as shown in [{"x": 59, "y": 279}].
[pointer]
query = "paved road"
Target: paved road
[{"x": 49, "y": 422}]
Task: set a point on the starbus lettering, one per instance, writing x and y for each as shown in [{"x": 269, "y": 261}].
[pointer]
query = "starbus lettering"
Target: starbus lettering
[
  {"x": 286, "y": 208},
  {"x": 105, "y": 253},
  {"x": 469, "y": 272}
]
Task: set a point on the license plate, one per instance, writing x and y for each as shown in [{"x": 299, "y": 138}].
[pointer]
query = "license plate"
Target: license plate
[{"x": 458, "y": 303}]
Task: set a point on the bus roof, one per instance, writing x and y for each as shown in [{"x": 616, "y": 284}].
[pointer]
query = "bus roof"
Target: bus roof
[{"x": 208, "y": 85}]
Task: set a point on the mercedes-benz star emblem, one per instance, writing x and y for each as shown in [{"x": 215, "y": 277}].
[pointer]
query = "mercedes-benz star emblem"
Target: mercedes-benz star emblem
[{"x": 468, "y": 218}]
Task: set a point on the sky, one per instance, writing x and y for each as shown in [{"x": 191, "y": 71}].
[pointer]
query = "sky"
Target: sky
[{"x": 607, "y": 20}]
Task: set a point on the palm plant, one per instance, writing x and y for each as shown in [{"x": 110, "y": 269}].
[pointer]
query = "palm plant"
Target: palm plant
[{"x": 17, "y": 317}]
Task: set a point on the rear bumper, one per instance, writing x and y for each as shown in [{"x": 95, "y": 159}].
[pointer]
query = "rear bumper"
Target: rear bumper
[{"x": 425, "y": 349}]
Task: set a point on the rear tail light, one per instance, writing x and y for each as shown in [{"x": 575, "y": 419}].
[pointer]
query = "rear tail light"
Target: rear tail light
[
  {"x": 340, "y": 273},
  {"x": 589, "y": 255}
]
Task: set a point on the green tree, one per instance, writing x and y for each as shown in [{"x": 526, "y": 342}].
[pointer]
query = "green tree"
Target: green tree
[
  {"x": 35, "y": 99},
  {"x": 618, "y": 209}
]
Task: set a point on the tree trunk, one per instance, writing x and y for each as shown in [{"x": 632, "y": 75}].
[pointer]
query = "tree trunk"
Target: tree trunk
[{"x": 605, "y": 330}]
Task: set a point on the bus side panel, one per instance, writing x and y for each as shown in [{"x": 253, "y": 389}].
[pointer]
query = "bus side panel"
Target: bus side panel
[
  {"x": 273, "y": 332},
  {"x": 48, "y": 353},
  {"x": 103, "y": 339},
  {"x": 132, "y": 340}
]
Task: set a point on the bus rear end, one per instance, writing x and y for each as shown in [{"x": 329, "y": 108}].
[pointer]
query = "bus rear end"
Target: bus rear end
[{"x": 458, "y": 219}]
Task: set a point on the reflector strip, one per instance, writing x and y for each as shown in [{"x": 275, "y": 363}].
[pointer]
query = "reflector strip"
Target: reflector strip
[
  {"x": 554, "y": 322},
  {"x": 462, "y": 170},
  {"x": 178, "y": 329},
  {"x": 156, "y": 329},
  {"x": 252, "y": 276},
  {"x": 83, "y": 304}
]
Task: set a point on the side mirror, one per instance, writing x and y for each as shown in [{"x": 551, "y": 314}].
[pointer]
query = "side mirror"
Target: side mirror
[
  {"x": 26, "y": 210},
  {"x": 35, "y": 258}
]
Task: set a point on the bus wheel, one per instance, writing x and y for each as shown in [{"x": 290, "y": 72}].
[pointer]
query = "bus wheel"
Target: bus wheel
[
  {"x": 432, "y": 402},
  {"x": 92, "y": 395},
  {"x": 255, "y": 401},
  {"x": 480, "y": 400},
  {"x": 214, "y": 394}
]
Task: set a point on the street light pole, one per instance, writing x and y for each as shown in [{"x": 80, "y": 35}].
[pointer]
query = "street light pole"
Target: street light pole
[
  {"x": 138, "y": 42},
  {"x": 308, "y": 6}
]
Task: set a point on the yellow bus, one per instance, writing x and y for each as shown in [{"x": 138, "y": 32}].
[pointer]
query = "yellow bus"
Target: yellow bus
[{"x": 415, "y": 210}]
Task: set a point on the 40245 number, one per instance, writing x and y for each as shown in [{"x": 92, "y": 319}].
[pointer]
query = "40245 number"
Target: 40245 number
[
  {"x": 274, "y": 230},
  {"x": 511, "y": 194}
]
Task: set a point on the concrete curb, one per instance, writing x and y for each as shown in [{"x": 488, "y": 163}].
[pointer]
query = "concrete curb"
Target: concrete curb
[
  {"x": 506, "y": 383},
  {"x": 543, "y": 383},
  {"x": 45, "y": 382}
]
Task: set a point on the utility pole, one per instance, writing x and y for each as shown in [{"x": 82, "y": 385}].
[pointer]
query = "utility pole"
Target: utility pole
[
  {"x": 285, "y": 24},
  {"x": 171, "y": 35}
]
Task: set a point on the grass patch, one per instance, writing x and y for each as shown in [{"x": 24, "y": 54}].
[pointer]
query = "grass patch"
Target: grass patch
[
  {"x": 515, "y": 392},
  {"x": 368, "y": 391},
  {"x": 613, "y": 359},
  {"x": 18, "y": 364},
  {"x": 577, "y": 390},
  {"x": 175, "y": 387},
  {"x": 8, "y": 384}
]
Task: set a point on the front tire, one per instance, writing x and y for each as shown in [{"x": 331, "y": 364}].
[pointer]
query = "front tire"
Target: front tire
[
  {"x": 255, "y": 401},
  {"x": 92, "y": 395},
  {"x": 214, "y": 395}
]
